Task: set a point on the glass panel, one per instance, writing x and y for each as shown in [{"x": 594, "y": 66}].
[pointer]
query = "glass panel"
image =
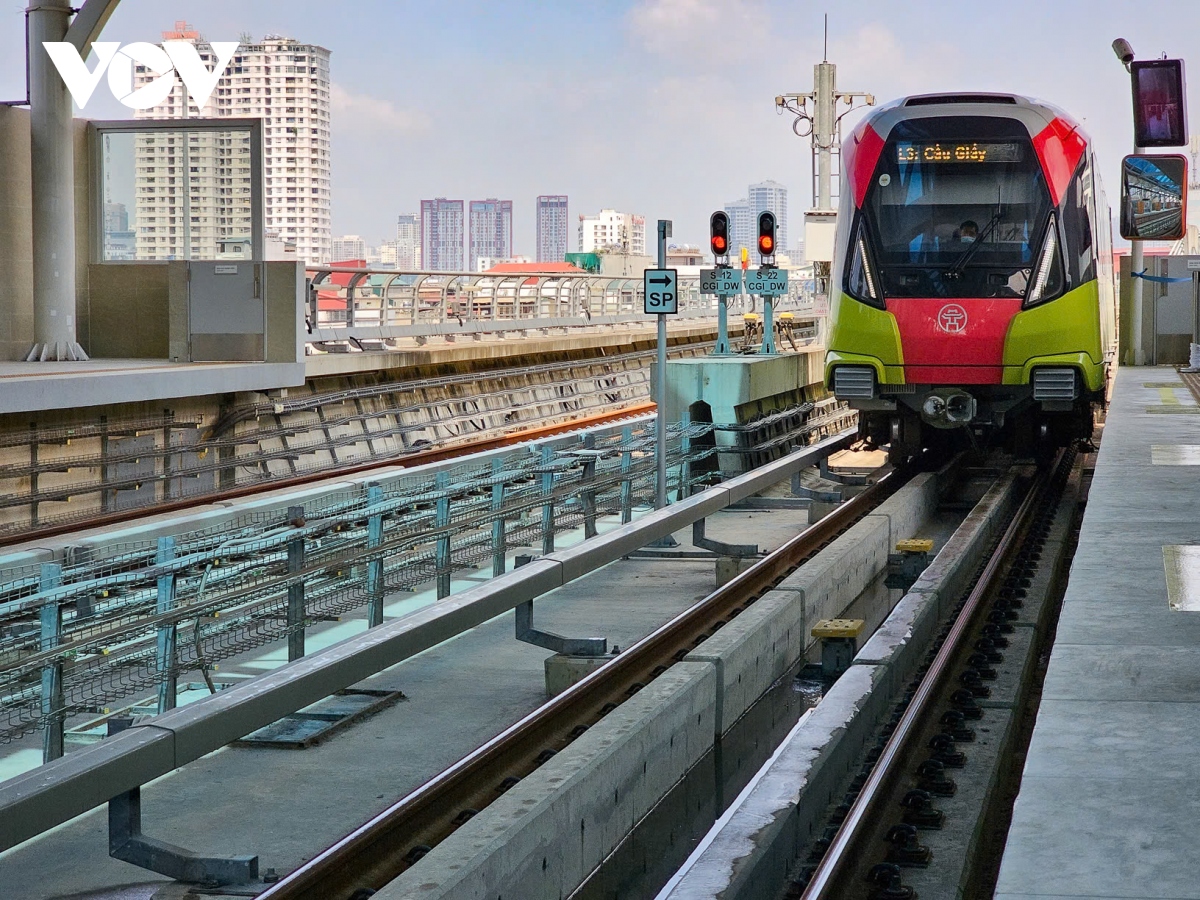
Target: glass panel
[
  {"x": 957, "y": 207},
  {"x": 176, "y": 195}
]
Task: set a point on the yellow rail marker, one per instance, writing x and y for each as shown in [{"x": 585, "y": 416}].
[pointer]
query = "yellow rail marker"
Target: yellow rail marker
[
  {"x": 838, "y": 628},
  {"x": 914, "y": 545}
]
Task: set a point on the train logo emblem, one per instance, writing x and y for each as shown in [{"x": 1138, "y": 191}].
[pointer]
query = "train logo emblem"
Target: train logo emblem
[{"x": 952, "y": 319}]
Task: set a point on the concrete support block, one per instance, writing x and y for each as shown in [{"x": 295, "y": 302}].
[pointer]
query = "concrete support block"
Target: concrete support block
[
  {"x": 542, "y": 838},
  {"x": 819, "y": 509},
  {"x": 752, "y": 852},
  {"x": 910, "y": 507},
  {"x": 833, "y": 579},
  {"x": 752, "y": 652},
  {"x": 562, "y": 671},
  {"x": 729, "y": 567}
]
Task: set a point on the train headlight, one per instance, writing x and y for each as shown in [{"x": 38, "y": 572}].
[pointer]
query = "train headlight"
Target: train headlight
[
  {"x": 861, "y": 279},
  {"x": 1048, "y": 278}
]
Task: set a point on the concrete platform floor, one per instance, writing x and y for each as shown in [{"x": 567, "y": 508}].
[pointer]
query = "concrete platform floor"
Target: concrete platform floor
[
  {"x": 287, "y": 805},
  {"x": 1109, "y": 804}
]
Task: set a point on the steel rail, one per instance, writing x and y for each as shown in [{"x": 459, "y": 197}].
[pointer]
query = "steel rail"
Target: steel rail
[
  {"x": 843, "y": 854},
  {"x": 378, "y": 851}
]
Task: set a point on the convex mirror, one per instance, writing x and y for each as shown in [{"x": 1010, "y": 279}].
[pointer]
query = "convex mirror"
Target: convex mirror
[{"x": 1153, "y": 197}]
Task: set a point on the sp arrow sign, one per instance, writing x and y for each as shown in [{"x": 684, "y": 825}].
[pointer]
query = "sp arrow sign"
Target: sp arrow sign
[{"x": 661, "y": 291}]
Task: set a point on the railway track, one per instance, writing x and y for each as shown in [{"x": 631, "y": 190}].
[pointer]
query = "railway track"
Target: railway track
[
  {"x": 384, "y": 847},
  {"x": 911, "y": 821}
]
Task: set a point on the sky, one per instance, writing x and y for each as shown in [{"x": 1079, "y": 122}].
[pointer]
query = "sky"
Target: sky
[{"x": 659, "y": 107}]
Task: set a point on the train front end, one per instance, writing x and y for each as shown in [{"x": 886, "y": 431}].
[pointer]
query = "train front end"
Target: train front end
[{"x": 971, "y": 281}]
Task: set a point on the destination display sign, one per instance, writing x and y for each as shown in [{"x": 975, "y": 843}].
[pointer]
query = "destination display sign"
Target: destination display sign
[
  {"x": 767, "y": 282},
  {"x": 959, "y": 152},
  {"x": 723, "y": 281}
]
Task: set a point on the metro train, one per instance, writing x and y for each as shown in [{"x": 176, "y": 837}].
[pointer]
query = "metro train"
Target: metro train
[{"x": 971, "y": 289}]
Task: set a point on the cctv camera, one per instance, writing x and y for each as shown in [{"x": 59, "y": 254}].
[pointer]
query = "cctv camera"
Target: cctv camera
[{"x": 1123, "y": 50}]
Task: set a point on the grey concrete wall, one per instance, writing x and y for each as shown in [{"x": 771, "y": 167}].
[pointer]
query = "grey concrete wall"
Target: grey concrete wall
[
  {"x": 128, "y": 311},
  {"x": 543, "y": 837},
  {"x": 285, "y": 311},
  {"x": 16, "y": 234}
]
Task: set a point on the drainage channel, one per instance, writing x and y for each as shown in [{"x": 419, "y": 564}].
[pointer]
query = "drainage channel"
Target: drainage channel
[{"x": 914, "y": 817}]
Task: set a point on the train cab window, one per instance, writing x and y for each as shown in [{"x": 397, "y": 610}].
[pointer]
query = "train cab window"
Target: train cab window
[{"x": 956, "y": 208}]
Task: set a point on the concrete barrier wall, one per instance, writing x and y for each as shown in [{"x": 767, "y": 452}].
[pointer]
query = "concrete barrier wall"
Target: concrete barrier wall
[
  {"x": 911, "y": 507},
  {"x": 751, "y": 652},
  {"x": 838, "y": 574},
  {"x": 543, "y": 837},
  {"x": 748, "y": 854}
]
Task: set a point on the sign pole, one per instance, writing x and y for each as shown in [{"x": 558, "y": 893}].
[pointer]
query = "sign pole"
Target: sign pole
[
  {"x": 768, "y": 344},
  {"x": 722, "y": 348},
  {"x": 660, "y": 428}
]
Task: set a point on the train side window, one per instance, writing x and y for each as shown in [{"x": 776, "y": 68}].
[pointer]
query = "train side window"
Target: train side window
[{"x": 1077, "y": 226}]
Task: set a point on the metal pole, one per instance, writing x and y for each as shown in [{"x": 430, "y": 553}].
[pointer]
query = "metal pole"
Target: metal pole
[
  {"x": 824, "y": 129},
  {"x": 375, "y": 565},
  {"x": 1136, "y": 264},
  {"x": 52, "y": 148},
  {"x": 498, "y": 536},
  {"x": 547, "y": 461},
  {"x": 722, "y": 347},
  {"x": 168, "y": 686},
  {"x": 52, "y": 673},
  {"x": 442, "y": 523},
  {"x": 660, "y": 422},
  {"x": 1195, "y": 310},
  {"x": 295, "y": 604}
]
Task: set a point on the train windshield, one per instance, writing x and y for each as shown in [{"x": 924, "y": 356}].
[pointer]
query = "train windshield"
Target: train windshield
[{"x": 957, "y": 207}]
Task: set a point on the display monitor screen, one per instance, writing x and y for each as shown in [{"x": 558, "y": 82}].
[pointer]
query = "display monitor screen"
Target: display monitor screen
[
  {"x": 958, "y": 152},
  {"x": 1159, "y": 107}
]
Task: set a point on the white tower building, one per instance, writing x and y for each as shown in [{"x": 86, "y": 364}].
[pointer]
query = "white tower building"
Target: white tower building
[{"x": 286, "y": 84}]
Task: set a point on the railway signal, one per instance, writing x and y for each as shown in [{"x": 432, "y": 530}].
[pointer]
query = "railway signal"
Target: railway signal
[
  {"x": 718, "y": 227},
  {"x": 766, "y": 235}
]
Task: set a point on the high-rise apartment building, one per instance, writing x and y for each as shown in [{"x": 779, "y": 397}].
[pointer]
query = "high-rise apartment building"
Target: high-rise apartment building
[
  {"x": 442, "y": 235},
  {"x": 193, "y": 198},
  {"x": 552, "y": 227},
  {"x": 348, "y": 246},
  {"x": 771, "y": 196},
  {"x": 490, "y": 231},
  {"x": 612, "y": 231},
  {"x": 408, "y": 242}
]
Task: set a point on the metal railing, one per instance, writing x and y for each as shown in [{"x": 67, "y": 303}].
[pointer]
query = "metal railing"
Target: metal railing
[
  {"x": 56, "y": 792},
  {"x": 77, "y": 637},
  {"x": 377, "y": 305}
]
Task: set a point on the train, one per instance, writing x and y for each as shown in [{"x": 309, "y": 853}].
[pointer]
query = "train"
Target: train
[{"x": 971, "y": 290}]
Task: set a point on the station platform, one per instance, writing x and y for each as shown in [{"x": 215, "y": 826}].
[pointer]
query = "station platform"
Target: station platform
[{"x": 1110, "y": 795}]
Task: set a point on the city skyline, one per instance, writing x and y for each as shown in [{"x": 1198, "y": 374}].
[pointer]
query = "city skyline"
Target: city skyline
[{"x": 623, "y": 120}]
